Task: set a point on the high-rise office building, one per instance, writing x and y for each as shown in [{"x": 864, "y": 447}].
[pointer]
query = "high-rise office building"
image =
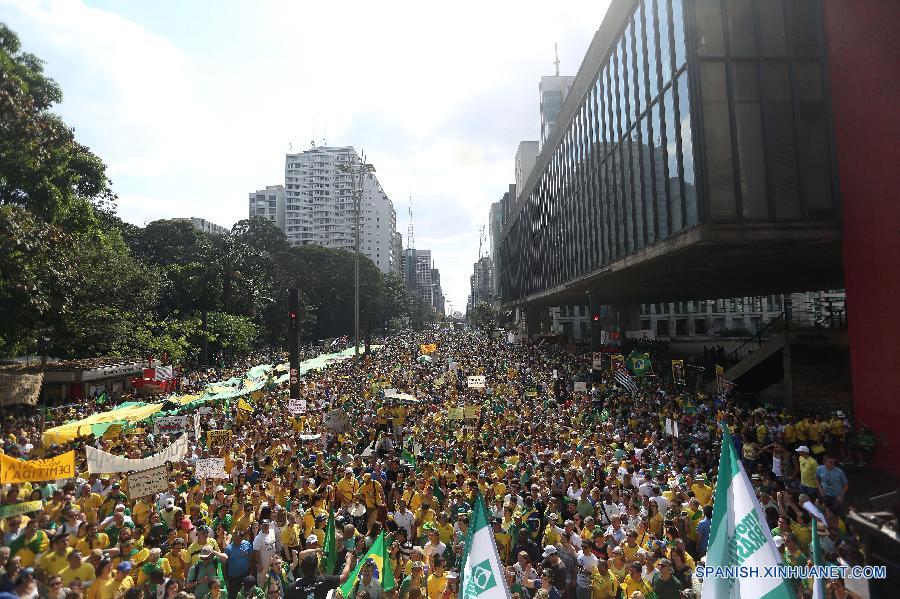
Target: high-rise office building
[
  {"x": 526, "y": 156},
  {"x": 201, "y": 224},
  {"x": 268, "y": 203},
  {"x": 320, "y": 209},
  {"x": 553, "y": 92}
]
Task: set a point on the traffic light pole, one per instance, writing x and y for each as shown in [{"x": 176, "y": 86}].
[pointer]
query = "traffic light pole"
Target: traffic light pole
[{"x": 294, "y": 340}]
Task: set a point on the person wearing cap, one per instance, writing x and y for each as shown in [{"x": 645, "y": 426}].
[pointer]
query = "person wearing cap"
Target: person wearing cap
[
  {"x": 202, "y": 573},
  {"x": 265, "y": 546},
  {"x": 415, "y": 582},
  {"x": 555, "y": 567},
  {"x": 204, "y": 539},
  {"x": 702, "y": 491},
  {"x": 808, "y": 467},
  {"x": 120, "y": 583}
]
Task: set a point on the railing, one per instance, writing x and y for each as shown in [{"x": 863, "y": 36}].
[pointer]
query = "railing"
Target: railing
[{"x": 755, "y": 342}]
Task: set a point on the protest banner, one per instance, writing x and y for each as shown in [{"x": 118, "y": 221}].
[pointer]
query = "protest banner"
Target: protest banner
[
  {"x": 148, "y": 482},
  {"x": 169, "y": 425},
  {"x": 580, "y": 386},
  {"x": 106, "y": 463},
  {"x": 210, "y": 468},
  {"x": 531, "y": 393},
  {"x": 196, "y": 427},
  {"x": 678, "y": 372},
  {"x": 455, "y": 413},
  {"x": 476, "y": 382},
  {"x": 23, "y": 471},
  {"x": 597, "y": 362},
  {"x": 472, "y": 412},
  {"x": 205, "y": 410},
  {"x": 14, "y": 509},
  {"x": 218, "y": 438},
  {"x": 296, "y": 406},
  {"x": 18, "y": 388}
]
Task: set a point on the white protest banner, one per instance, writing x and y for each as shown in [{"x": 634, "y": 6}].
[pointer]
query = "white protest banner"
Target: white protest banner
[
  {"x": 169, "y": 425},
  {"x": 20, "y": 388},
  {"x": 148, "y": 482},
  {"x": 675, "y": 428},
  {"x": 205, "y": 410},
  {"x": 668, "y": 428},
  {"x": 452, "y": 366},
  {"x": 580, "y": 386},
  {"x": 296, "y": 406},
  {"x": 309, "y": 437},
  {"x": 555, "y": 374},
  {"x": 390, "y": 392},
  {"x": 210, "y": 468},
  {"x": 476, "y": 382},
  {"x": 106, "y": 463},
  {"x": 197, "y": 426}
]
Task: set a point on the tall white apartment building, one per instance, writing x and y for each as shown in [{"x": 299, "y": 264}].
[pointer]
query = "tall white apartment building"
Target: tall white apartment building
[
  {"x": 268, "y": 203},
  {"x": 319, "y": 206}
]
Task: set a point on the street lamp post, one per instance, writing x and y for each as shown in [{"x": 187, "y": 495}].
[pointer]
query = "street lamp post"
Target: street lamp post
[{"x": 356, "y": 169}]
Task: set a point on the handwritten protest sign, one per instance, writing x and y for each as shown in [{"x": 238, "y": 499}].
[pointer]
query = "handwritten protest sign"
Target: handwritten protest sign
[
  {"x": 580, "y": 386},
  {"x": 296, "y": 406},
  {"x": 455, "y": 413},
  {"x": 476, "y": 382},
  {"x": 472, "y": 412},
  {"x": 169, "y": 425},
  {"x": 20, "y": 388},
  {"x": 148, "y": 482},
  {"x": 218, "y": 438},
  {"x": 211, "y": 468}
]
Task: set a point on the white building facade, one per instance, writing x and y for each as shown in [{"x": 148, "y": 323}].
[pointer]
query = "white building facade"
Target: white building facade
[{"x": 320, "y": 208}]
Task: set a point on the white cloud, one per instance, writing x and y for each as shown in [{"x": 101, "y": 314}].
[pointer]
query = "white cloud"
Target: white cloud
[{"x": 194, "y": 110}]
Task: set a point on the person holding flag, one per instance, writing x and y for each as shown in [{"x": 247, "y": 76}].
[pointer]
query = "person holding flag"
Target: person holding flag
[
  {"x": 310, "y": 584},
  {"x": 739, "y": 537},
  {"x": 482, "y": 575},
  {"x": 379, "y": 560}
]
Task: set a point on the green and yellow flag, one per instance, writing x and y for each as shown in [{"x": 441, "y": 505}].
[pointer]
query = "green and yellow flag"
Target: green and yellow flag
[{"x": 378, "y": 555}]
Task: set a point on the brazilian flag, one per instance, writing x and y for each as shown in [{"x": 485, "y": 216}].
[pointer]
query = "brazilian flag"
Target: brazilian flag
[
  {"x": 380, "y": 560},
  {"x": 639, "y": 363}
]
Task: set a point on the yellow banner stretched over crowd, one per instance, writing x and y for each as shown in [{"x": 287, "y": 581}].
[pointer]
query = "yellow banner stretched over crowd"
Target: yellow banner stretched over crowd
[
  {"x": 24, "y": 471},
  {"x": 428, "y": 348},
  {"x": 72, "y": 430}
]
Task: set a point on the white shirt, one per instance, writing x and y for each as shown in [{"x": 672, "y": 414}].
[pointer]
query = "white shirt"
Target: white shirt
[
  {"x": 405, "y": 521},
  {"x": 428, "y": 550},
  {"x": 265, "y": 544}
]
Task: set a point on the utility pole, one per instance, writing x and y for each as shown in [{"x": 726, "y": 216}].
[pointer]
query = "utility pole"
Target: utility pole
[{"x": 356, "y": 170}]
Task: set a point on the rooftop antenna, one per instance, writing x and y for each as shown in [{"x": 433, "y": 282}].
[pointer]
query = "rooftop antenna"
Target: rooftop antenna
[
  {"x": 556, "y": 62},
  {"x": 410, "y": 236},
  {"x": 312, "y": 142},
  {"x": 325, "y": 135}
]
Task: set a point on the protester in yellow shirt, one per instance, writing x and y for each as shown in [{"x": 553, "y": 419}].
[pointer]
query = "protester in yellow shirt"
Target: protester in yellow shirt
[
  {"x": 56, "y": 560},
  {"x": 437, "y": 580},
  {"x": 702, "y": 492},
  {"x": 76, "y": 569}
]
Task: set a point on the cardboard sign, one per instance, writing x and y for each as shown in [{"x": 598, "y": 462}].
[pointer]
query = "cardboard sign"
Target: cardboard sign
[
  {"x": 296, "y": 406},
  {"x": 20, "y": 388},
  {"x": 14, "y": 509},
  {"x": 580, "y": 386},
  {"x": 337, "y": 421},
  {"x": 220, "y": 438},
  {"x": 390, "y": 392},
  {"x": 455, "y": 413},
  {"x": 169, "y": 425},
  {"x": 23, "y": 471},
  {"x": 472, "y": 412},
  {"x": 476, "y": 382},
  {"x": 210, "y": 468},
  {"x": 205, "y": 411},
  {"x": 148, "y": 482}
]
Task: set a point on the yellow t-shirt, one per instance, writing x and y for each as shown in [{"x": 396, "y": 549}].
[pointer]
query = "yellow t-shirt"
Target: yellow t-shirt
[
  {"x": 702, "y": 492},
  {"x": 90, "y": 505},
  {"x": 788, "y": 433},
  {"x": 346, "y": 489},
  {"x": 85, "y": 545},
  {"x": 436, "y": 585},
  {"x": 290, "y": 535},
  {"x": 808, "y": 466},
  {"x": 84, "y": 573},
  {"x": 53, "y": 563}
]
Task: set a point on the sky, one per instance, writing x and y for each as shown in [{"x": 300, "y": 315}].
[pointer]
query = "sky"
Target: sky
[{"x": 193, "y": 105}]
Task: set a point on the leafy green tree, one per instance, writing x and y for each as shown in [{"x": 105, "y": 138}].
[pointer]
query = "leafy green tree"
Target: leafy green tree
[
  {"x": 42, "y": 167},
  {"x": 483, "y": 316}
]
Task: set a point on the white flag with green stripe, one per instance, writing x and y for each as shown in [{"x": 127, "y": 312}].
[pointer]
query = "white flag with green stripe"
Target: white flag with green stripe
[
  {"x": 740, "y": 543},
  {"x": 482, "y": 575}
]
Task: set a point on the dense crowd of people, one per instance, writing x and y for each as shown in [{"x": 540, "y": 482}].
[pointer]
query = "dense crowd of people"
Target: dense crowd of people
[{"x": 592, "y": 494}]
